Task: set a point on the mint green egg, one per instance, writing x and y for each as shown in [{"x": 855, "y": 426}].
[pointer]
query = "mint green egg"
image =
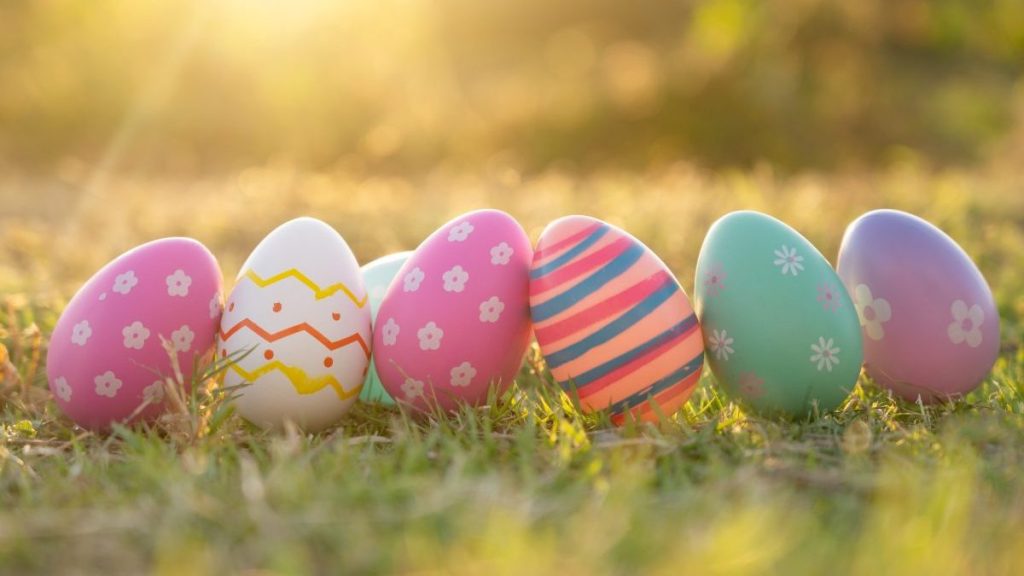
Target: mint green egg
[
  {"x": 781, "y": 332},
  {"x": 377, "y": 277}
]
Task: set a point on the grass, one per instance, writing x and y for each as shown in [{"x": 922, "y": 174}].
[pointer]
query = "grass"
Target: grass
[{"x": 524, "y": 485}]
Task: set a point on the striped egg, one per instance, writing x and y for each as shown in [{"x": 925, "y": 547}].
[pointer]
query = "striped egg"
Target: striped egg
[{"x": 612, "y": 321}]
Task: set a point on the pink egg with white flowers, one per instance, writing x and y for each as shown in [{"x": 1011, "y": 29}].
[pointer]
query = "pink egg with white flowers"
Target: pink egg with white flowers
[
  {"x": 456, "y": 320},
  {"x": 107, "y": 360},
  {"x": 928, "y": 318}
]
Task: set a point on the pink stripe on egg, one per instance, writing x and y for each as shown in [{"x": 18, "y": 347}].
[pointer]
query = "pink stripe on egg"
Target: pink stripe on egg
[
  {"x": 552, "y": 251},
  {"x": 602, "y": 311},
  {"x": 662, "y": 318},
  {"x": 598, "y": 255}
]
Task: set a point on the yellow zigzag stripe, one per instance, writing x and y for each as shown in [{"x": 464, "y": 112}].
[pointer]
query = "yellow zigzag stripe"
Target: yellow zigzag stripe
[
  {"x": 320, "y": 293},
  {"x": 303, "y": 383}
]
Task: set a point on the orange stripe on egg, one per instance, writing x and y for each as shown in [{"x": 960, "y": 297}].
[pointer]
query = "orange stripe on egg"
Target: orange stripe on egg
[
  {"x": 656, "y": 364},
  {"x": 668, "y": 401},
  {"x": 354, "y": 338},
  {"x": 553, "y": 250},
  {"x": 660, "y": 319}
]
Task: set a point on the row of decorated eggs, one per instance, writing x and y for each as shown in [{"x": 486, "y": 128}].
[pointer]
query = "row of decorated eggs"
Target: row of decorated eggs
[{"x": 450, "y": 322}]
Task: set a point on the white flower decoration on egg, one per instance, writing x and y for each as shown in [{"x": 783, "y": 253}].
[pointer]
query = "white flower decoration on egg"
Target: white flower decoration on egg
[
  {"x": 721, "y": 344},
  {"x": 491, "y": 309},
  {"x": 412, "y": 280},
  {"x": 63, "y": 389},
  {"x": 124, "y": 283},
  {"x": 81, "y": 333},
  {"x": 826, "y": 355},
  {"x": 455, "y": 279},
  {"x": 107, "y": 384},
  {"x": 789, "y": 260},
  {"x": 872, "y": 312},
  {"x": 501, "y": 254},
  {"x": 154, "y": 393},
  {"x": 412, "y": 388},
  {"x": 135, "y": 335},
  {"x": 460, "y": 232},
  {"x": 462, "y": 375},
  {"x": 178, "y": 283},
  {"x": 390, "y": 332},
  {"x": 182, "y": 339},
  {"x": 966, "y": 324},
  {"x": 215, "y": 306},
  {"x": 430, "y": 336}
]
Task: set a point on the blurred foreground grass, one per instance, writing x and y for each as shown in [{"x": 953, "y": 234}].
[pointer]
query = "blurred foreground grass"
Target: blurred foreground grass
[{"x": 524, "y": 486}]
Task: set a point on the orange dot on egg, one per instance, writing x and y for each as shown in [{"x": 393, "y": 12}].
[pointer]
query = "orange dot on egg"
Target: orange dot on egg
[
  {"x": 336, "y": 316},
  {"x": 268, "y": 354},
  {"x": 223, "y": 352},
  {"x": 277, "y": 306},
  {"x": 328, "y": 362},
  {"x": 231, "y": 307}
]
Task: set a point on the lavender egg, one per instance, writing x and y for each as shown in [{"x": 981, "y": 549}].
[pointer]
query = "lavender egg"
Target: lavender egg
[{"x": 928, "y": 318}]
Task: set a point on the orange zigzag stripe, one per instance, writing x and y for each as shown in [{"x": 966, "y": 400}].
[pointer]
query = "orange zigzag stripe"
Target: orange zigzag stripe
[
  {"x": 302, "y": 382},
  {"x": 319, "y": 292},
  {"x": 304, "y": 327}
]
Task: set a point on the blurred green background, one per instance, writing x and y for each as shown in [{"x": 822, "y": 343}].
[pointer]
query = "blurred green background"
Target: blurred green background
[
  {"x": 123, "y": 121},
  {"x": 409, "y": 85}
]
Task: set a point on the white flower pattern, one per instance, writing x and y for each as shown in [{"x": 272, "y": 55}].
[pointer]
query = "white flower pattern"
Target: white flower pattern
[
  {"x": 178, "y": 283},
  {"x": 63, "y": 389},
  {"x": 182, "y": 339},
  {"x": 721, "y": 344},
  {"x": 135, "y": 335},
  {"x": 81, "y": 333},
  {"x": 107, "y": 384},
  {"x": 491, "y": 309},
  {"x": 412, "y": 388},
  {"x": 872, "y": 312},
  {"x": 412, "y": 280},
  {"x": 826, "y": 354},
  {"x": 124, "y": 283},
  {"x": 966, "y": 324},
  {"x": 154, "y": 393},
  {"x": 501, "y": 254},
  {"x": 462, "y": 375},
  {"x": 430, "y": 336},
  {"x": 215, "y": 306},
  {"x": 390, "y": 332},
  {"x": 455, "y": 279},
  {"x": 789, "y": 260},
  {"x": 460, "y": 232}
]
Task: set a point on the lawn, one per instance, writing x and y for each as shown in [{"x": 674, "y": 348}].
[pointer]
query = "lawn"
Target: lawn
[{"x": 524, "y": 485}]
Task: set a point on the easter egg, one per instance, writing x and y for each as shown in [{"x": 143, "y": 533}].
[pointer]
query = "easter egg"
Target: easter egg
[
  {"x": 298, "y": 326},
  {"x": 377, "y": 277},
  {"x": 612, "y": 322},
  {"x": 781, "y": 331},
  {"x": 929, "y": 320},
  {"x": 456, "y": 320},
  {"x": 111, "y": 349}
]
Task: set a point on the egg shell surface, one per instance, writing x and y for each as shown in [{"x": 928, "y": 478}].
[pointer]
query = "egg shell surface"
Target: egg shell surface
[
  {"x": 106, "y": 357},
  {"x": 456, "y": 319},
  {"x": 377, "y": 276},
  {"x": 781, "y": 331},
  {"x": 298, "y": 324},
  {"x": 929, "y": 320},
  {"x": 613, "y": 323}
]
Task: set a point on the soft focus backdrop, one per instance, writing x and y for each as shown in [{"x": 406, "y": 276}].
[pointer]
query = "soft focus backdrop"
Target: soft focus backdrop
[
  {"x": 125, "y": 121},
  {"x": 410, "y": 84}
]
